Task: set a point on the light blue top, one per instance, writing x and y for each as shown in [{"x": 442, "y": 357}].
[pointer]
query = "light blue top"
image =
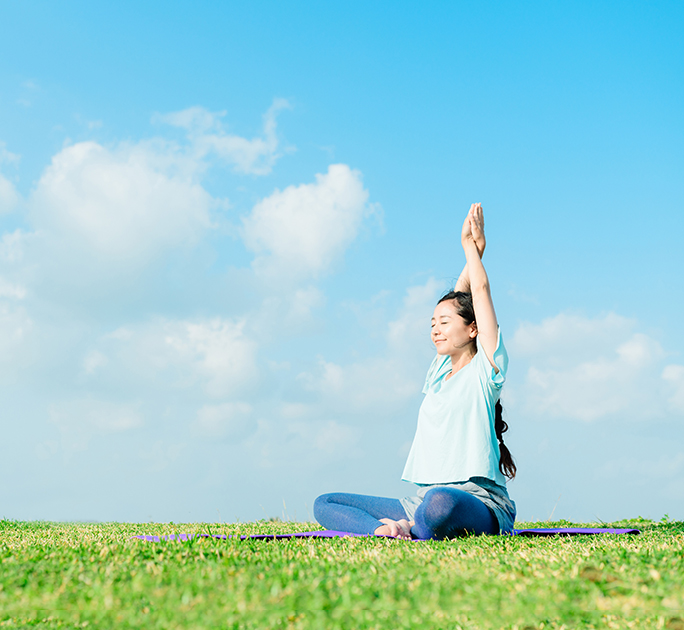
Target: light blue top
[{"x": 455, "y": 439}]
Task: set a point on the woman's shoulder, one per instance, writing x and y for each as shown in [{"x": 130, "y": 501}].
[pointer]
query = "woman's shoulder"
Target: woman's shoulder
[{"x": 499, "y": 358}]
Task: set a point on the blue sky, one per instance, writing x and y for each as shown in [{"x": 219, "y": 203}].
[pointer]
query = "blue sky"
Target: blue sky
[{"x": 223, "y": 230}]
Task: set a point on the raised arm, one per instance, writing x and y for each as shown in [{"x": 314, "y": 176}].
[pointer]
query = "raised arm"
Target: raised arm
[
  {"x": 463, "y": 282},
  {"x": 487, "y": 326}
]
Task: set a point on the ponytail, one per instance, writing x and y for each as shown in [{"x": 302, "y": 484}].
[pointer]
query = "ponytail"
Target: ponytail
[{"x": 506, "y": 464}]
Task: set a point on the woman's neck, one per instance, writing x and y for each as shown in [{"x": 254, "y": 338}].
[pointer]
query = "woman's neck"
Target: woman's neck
[{"x": 462, "y": 358}]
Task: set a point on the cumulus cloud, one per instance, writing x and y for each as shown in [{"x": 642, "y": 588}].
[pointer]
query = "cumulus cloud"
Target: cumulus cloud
[
  {"x": 123, "y": 205},
  {"x": 79, "y": 420},
  {"x": 409, "y": 333},
  {"x": 227, "y": 421},
  {"x": 93, "y": 361},
  {"x": 674, "y": 376},
  {"x": 12, "y": 246},
  {"x": 217, "y": 350},
  {"x": 16, "y": 330},
  {"x": 161, "y": 456},
  {"x": 329, "y": 437},
  {"x": 294, "y": 311},
  {"x": 10, "y": 290},
  {"x": 303, "y": 444},
  {"x": 255, "y": 156},
  {"x": 7, "y": 156},
  {"x": 589, "y": 369},
  {"x": 374, "y": 384},
  {"x": 13, "y": 287},
  {"x": 383, "y": 384},
  {"x": 19, "y": 333},
  {"x": 300, "y": 231},
  {"x": 658, "y": 468},
  {"x": 123, "y": 208},
  {"x": 9, "y": 197},
  {"x": 215, "y": 355},
  {"x": 323, "y": 415}
]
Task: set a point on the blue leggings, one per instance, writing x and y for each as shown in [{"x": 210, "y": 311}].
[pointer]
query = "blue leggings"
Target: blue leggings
[{"x": 444, "y": 513}]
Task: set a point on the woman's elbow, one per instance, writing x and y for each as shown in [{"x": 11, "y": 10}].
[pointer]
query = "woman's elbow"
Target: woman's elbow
[{"x": 480, "y": 288}]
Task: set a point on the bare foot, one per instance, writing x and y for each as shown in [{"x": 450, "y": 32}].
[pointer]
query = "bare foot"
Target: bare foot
[{"x": 397, "y": 529}]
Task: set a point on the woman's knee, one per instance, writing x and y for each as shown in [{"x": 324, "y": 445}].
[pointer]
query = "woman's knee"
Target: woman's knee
[
  {"x": 440, "y": 504},
  {"x": 449, "y": 511},
  {"x": 320, "y": 503}
]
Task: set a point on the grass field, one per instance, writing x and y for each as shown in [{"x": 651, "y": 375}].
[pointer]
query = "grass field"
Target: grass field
[{"x": 74, "y": 575}]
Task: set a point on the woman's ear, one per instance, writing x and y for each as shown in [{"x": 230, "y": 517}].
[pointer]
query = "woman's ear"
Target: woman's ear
[{"x": 473, "y": 330}]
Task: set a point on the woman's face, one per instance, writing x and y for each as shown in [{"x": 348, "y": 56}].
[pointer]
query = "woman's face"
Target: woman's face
[{"x": 450, "y": 333}]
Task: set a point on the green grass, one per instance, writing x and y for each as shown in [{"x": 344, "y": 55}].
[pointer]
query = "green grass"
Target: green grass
[{"x": 73, "y": 575}]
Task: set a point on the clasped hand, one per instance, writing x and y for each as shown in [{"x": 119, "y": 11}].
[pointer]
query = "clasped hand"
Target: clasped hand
[{"x": 473, "y": 228}]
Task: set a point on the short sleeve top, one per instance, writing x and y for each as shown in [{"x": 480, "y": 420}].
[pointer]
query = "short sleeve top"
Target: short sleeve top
[{"x": 455, "y": 437}]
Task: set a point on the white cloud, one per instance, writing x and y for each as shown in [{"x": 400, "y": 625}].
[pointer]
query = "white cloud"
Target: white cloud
[
  {"x": 571, "y": 337},
  {"x": 375, "y": 384},
  {"x": 217, "y": 350},
  {"x": 7, "y": 156},
  {"x": 205, "y": 131},
  {"x": 658, "y": 468},
  {"x": 331, "y": 437},
  {"x": 295, "y": 411},
  {"x": 214, "y": 355},
  {"x": 9, "y": 290},
  {"x": 93, "y": 361},
  {"x": 79, "y": 420},
  {"x": 160, "y": 456},
  {"x": 231, "y": 421},
  {"x": 292, "y": 310},
  {"x": 303, "y": 444},
  {"x": 304, "y": 301},
  {"x": 15, "y": 329},
  {"x": 674, "y": 376},
  {"x": 12, "y": 246},
  {"x": 410, "y": 332},
  {"x": 195, "y": 120},
  {"x": 301, "y": 230},
  {"x": 122, "y": 333},
  {"x": 383, "y": 384},
  {"x": 9, "y": 197},
  {"x": 588, "y": 369},
  {"x": 13, "y": 286},
  {"x": 123, "y": 205}
]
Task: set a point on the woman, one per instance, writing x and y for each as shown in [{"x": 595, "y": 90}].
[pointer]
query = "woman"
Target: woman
[{"x": 458, "y": 458}]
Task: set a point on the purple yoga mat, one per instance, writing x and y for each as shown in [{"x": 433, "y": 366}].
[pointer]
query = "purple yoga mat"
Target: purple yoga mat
[
  {"x": 328, "y": 533},
  {"x": 571, "y": 531}
]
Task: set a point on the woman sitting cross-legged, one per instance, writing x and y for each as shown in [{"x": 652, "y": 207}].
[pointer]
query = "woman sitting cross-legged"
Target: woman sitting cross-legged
[{"x": 458, "y": 459}]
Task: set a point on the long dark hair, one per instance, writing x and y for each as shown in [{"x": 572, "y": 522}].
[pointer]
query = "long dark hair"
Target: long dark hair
[{"x": 463, "y": 303}]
